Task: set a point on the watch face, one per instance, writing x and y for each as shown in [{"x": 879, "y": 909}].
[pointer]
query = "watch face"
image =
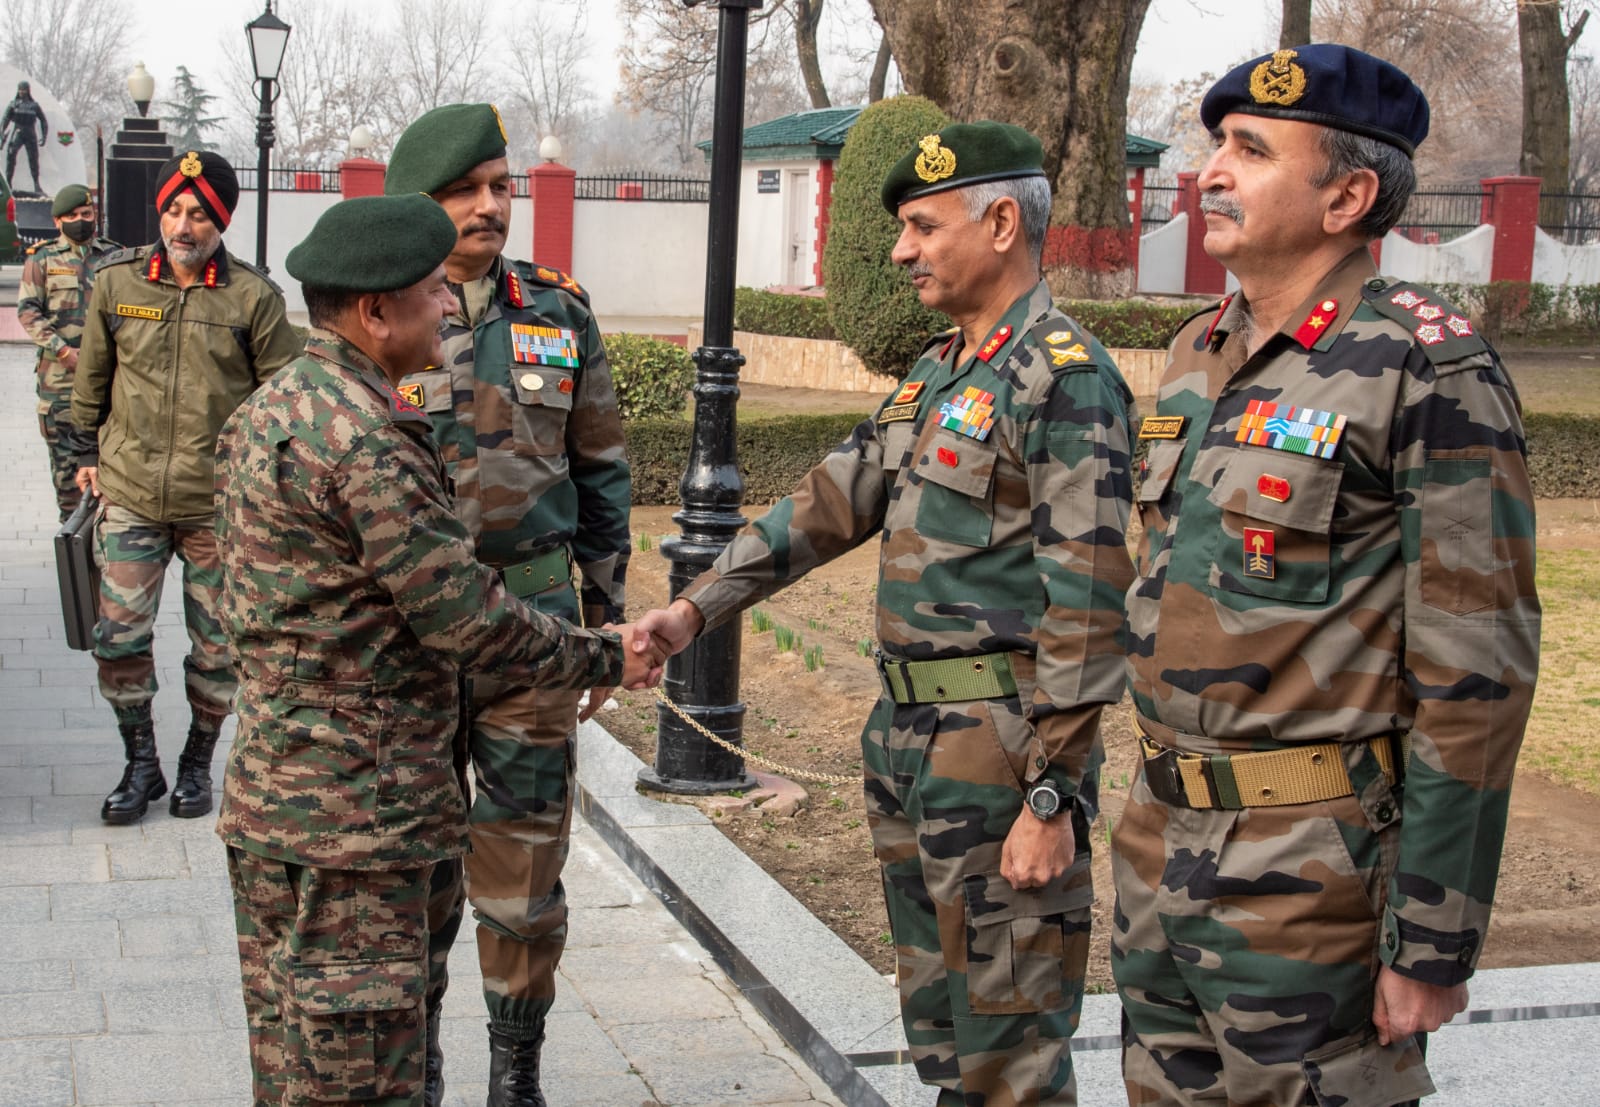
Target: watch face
[{"x": 1043, "y": 800}]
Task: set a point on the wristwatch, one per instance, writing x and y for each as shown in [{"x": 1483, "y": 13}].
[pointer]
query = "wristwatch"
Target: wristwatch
[{"x": 1044, "y": 800}]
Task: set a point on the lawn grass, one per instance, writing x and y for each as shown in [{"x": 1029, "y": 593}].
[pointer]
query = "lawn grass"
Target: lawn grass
[{"x": 1561, "y": 740}]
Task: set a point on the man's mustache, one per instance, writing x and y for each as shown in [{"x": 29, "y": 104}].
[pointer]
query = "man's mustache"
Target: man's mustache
[
  {"x": 488, "y": 224},
  {"x": 918, "y": 270},
  {"x": 1218, "y": 204}
]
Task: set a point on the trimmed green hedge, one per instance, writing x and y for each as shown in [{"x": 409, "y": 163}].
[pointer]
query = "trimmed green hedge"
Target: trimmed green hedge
[
  {"x": 773, "y": 453},
  {"x": 1130, "y": 324},
  {"x": 781, "y": 313},
  {"x": 1529, "y": 309},
  {"x": 652, "y": 377}
]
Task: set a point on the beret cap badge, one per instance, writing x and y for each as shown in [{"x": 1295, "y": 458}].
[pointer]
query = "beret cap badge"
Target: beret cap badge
[
  {"x": 1278, "y": 80},
  {"x": 935, "y": 162},
  {"x": 190, "y": 165},
  {"x": 499, "y": 122}
]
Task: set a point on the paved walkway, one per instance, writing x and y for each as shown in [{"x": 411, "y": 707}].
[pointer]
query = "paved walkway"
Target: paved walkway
[{"x": 118, "y": 972}]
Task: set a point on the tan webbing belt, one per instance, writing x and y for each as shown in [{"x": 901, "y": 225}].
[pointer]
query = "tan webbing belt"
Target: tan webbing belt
[
  {"x": 1269, "y": 778},
  {"x": 953, "y": 680},
  {"x": 548, "y": 570}
]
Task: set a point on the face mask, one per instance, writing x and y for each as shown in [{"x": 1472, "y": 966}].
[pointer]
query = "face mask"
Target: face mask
[{"x": 79, "y": 230}]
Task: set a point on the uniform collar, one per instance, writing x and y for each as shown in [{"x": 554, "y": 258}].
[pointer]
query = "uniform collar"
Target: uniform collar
[
  {"x": 1314, "y": 323},
  {"x": 158, "y": 263},
  {"x": 328, "y": 346},
  {"x": 1006, "y": 333}
]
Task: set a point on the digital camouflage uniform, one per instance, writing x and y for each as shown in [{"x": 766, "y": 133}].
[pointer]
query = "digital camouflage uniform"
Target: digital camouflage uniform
[
  {"x": 525, "y": 416},
  {"x": 352, "y": 599},
  {"x": 1380, "y": 585},
  {"x": 1005, "y": 538},
  {"x": 56, "y": 280},
  {"x": 160, "y": 368}
]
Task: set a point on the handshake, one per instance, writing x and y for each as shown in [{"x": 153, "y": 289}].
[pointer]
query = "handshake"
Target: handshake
[{"x": 656, "y": 636}]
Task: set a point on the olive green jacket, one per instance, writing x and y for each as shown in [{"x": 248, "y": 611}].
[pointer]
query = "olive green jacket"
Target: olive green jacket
[{"x": 161, "y": 368}]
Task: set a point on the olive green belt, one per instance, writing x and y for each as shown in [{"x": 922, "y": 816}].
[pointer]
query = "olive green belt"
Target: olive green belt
[
  {"x": 541, "y": 573},
  {"x": 984, "y": 677},
  {"x": 1267, "y": 778}
]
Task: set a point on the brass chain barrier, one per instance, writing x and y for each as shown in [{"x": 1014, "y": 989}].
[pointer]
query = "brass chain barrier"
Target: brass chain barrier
[{"x": 775, "y": 766}]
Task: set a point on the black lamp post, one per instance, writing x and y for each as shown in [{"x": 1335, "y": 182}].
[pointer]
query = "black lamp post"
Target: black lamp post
[
  {"x": 704, "y": 679},
  {"x": 268, "y": 36},
  {"x": 137, "y": 154}
]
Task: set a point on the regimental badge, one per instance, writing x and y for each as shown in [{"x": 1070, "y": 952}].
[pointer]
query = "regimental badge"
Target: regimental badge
[
  {"x": 1056, "y": 338},
  {"x": 1430, "y": 334},
  {"x": 1161, "y": 426},
  {"x": 935, "y": 162},
  {"x": 1407, "y": 299},
  {"x": 970, "y": 414},
  {"x": 1075, "y": 352},
  {"x": 898, "y": 413},
  {"x": 1260, "y": 553},
  {"x": 1298, "y": 430},
  {"x": 514, "y": 289},
  {"x": 1429, "y": 312},
  {"x": 411, "y": 393},
  {"x": 996, "y": 340},
  {"x": 134, "y": 311},
  {"x": 501, "y": 123},
  {"x": 570, "y": 285},
  {"x": 1278, "y": 80},
  {"x": 1461, "y": 328},
  {"x": 533, "y": 345},
  {"x": 907, "y": 393},
  {"x": 1273, "y": 488},
  {"x": 190, "y": 165}
]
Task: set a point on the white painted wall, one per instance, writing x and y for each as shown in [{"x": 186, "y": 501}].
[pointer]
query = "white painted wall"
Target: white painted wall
[
  {"x": 764, "y": 233},
  {"x": 1163, "y": 254},
  {"x": 1555, "y": 263},
  {"x": 1465, "y": 260},
  {"x": 641, "y": 257}
]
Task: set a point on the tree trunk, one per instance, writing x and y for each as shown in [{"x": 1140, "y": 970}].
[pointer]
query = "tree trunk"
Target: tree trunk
[
  {"x": 880, "y": 71},
  {"x": 1546, "y": 107},
  {"x": 1296, "y": 24},
  {"x": 1060, "y": 68},
  {"x": 807, "y": 18}
]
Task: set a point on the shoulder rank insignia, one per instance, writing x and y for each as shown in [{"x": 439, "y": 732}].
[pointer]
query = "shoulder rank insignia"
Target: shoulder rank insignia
[
  {"x": 970, "y": 414},
  {"x": 1069, "y": 354},
  {"x": 533, "y": 345},
  {"x": 1297, "y": 430},
  {"x": 514, "y": 289},
  {"x": 136, "y": 311},
  {"x": 1444, "y": 332},
  {"x": 996, "y": 340},
  {"x": 1316, "y": 323},
  {"x": 1056, "y": 338},
  {"x": 1162, "y": 426}
]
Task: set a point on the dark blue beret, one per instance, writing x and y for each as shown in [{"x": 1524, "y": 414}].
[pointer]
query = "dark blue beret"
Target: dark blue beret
[
  {"x": 374, "y": 244},
  {"x": 1329, "y": 84}
]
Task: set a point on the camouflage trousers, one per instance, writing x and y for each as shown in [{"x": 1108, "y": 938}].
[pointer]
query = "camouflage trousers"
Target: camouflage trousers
[
  {"x": 991, "y": 978},
  {"x": 522, "y": 745},
  {"x": 55, "y": 418},
  {"x": 1245, "y": 950},
  {"x": 133, "y": 554},
  {"x": 334, "y": 967}
]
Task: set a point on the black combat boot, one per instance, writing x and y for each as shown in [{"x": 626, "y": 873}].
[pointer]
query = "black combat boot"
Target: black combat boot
[
  {"x": 141, "y": 780},
  {"x": 191, "y": 792},
  {"x": 433, "y": 1064},
  {"x": 514, "y": 1068}
]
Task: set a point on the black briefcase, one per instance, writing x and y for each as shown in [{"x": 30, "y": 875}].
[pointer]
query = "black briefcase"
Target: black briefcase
[{"x": 76, "y": 571}]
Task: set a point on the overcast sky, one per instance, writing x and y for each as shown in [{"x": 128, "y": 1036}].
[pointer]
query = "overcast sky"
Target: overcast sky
[{"x": 1181, "y": 38}]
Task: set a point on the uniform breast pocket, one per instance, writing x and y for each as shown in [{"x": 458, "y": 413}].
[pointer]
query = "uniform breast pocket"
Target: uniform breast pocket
[
  {"x": 541, "y": 402},
  {"x": 954, "y": 490},
  {"x": 1276, "y": 520},
  {"x": 1161, "y": 466}
]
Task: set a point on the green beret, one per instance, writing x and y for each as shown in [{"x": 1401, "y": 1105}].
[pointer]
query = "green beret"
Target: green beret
[
  {"x": 73, "y": 196},
  {"x": 445, "y": 145},
  {"x": 374, "y": 244},
  {"x": 960, "y": 155}
]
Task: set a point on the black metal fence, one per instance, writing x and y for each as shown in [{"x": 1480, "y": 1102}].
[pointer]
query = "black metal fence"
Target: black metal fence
[
  {"x": 291, "y": 180},
  {"x": 1573, "y": 217},
  {"x": 1160, "y": 203},
  {"x": 645, "y": 186},
  {"x": 1440, "y": 215}
]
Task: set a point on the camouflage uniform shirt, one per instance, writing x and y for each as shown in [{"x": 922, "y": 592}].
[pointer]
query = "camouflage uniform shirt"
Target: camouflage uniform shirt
[
  {"x": 526, "y": 418},
  {"x": 1009, "y": 542},
  {"x": 1381, "y": 582},
  {"x": 56, "y": 281},
  {"x": 352, "y": 598}
]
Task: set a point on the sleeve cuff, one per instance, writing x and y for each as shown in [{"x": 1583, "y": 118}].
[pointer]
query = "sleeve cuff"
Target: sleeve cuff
[{"x": 1430, "y": 956}]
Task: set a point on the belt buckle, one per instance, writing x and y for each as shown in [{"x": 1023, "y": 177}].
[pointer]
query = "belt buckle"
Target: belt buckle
[
  {"x": 1161, "y": 773},
  {"x": 885, "y": 663}
]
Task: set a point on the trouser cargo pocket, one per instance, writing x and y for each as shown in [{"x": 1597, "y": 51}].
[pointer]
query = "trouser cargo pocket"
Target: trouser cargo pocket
[
  {"x": 1025, "y": 949},
  {"x": 360, "y": 1030},
  {"x": 1363, "y": 1073}
]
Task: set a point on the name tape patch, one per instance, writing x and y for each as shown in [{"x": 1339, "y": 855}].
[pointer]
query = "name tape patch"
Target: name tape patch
[{"x": 134, "y": 311}]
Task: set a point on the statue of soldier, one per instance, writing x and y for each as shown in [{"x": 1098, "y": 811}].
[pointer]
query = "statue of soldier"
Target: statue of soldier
[{"x": 22, "y": 115}]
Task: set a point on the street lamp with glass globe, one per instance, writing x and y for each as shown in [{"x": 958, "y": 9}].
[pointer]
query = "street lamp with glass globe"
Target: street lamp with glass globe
[{"x": 268, "y": 35}]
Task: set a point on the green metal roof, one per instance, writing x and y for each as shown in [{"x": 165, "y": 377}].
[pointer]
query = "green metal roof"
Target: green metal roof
[{"x": 820, "y": 133}]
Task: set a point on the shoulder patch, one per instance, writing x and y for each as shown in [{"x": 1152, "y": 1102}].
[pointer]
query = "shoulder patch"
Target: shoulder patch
[
  {"x": 248, "y": 268},
  {"x": 119, "y": 257},
  {"x": 1067, "y": 347},
  {"x": 1444, "y": 332},
  {"x": 551, "y": 278}
]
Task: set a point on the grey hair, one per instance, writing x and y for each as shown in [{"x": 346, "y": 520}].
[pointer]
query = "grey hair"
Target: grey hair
[
  {"x": 1347, "y": 152},
  {"x": 1032, "y": 195}
]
